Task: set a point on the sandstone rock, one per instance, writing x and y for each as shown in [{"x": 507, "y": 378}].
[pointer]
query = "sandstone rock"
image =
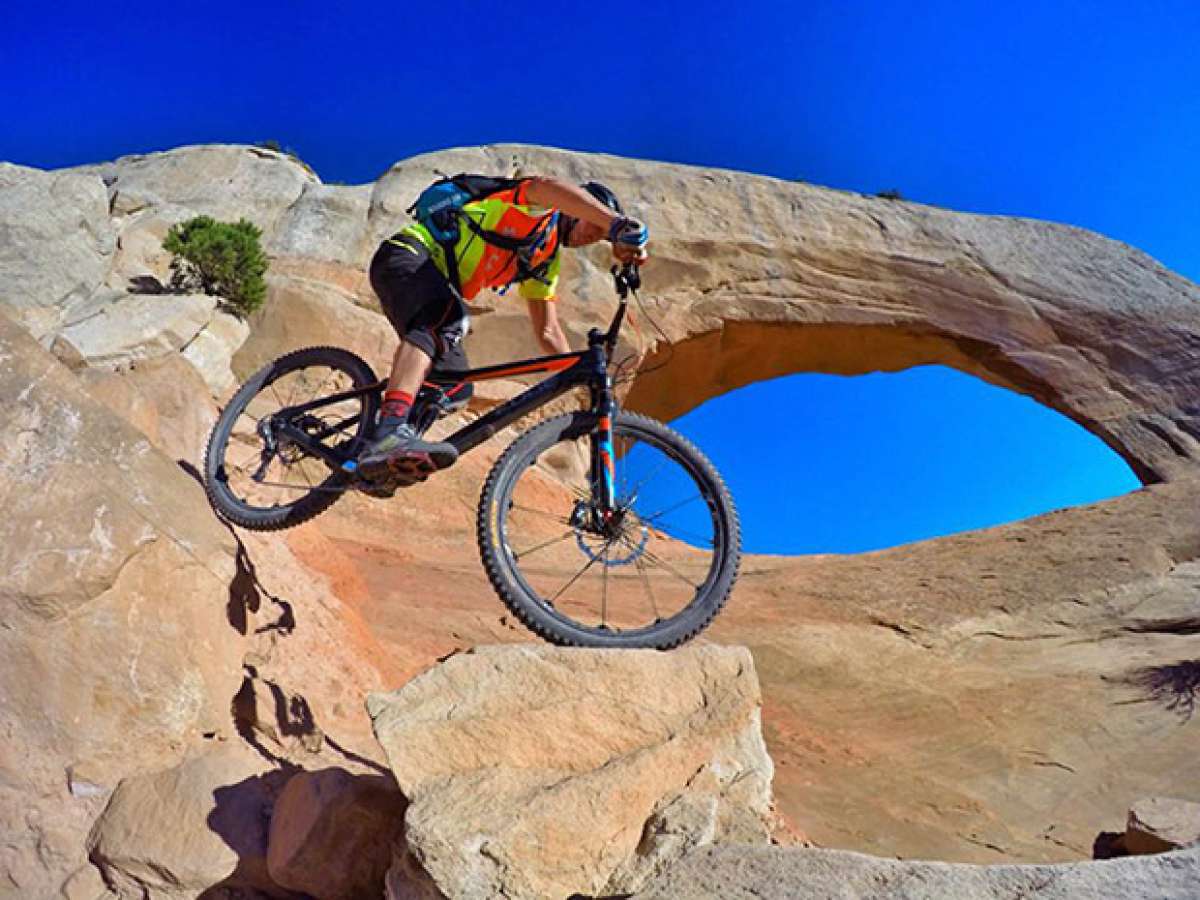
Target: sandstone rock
[
  {"x": 141, "y": 263},
  {"x": 195, "y": 826},
  {"x": 86, "y": 884},
  {"x": 326, "y": 223},
  {"x": 115, "y": 649},
  {"x": 1159, "y": 824},
  {"x": 741, "y": 873},
  {"x": 302, "y": 313},
  {"x": 56, "y": 243},
  {"x": 134, "y": 327},
  {"x": 332, "y": 834},
  {"x": 755, "y": 277},
  {"x": 165, "y": 399},
  {"x": 536, "y": 771},
  {"x": 212, "y": 350},
  {"x": 226, "y": 182}
]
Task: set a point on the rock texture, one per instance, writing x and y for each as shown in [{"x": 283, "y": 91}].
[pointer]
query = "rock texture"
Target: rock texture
[
  {"x": 536, "y": 772},
  {"x": 795, "y": 874},
  {"x": 134, "y": 327},
  {"x": 333, "y": 833},
  {"x": 114, "y": 648},
  {"x": 1003, "y": 695},
  {"x": 1159, "y": 824},
  {"x": 194, "y": 826},
  {"x": 56, "y": 244}
]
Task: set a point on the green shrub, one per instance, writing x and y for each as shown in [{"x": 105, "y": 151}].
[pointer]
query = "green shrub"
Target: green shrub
[
  {"x": 219, "y": 258},
  {"x": 891, "y": 194}
]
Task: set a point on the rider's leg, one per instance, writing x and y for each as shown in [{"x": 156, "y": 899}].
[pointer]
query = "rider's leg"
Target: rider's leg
[{"x": 423, "y": 309}]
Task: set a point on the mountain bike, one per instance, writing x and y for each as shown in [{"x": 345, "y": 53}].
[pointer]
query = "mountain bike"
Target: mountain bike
[{"x": 599, "y": 528}]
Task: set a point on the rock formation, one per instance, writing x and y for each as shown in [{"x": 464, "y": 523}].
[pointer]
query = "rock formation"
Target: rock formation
[
  {"x": 796, "y": 874},
  {"x": 998, "y": 696},
  {"x": 542, "y": 772}
]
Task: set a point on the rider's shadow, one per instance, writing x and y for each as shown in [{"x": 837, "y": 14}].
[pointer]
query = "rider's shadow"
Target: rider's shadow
[{"x": 246, "y": 591}]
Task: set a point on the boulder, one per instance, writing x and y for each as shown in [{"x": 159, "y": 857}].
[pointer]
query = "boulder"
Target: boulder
[
  {"x": 535, "y": 771},
  {"x": 227, "y": 182},
  {"x": 56, "y": 244},
  {"x": 211, "y": 351},
  {"x": 133, "y": 327},
  {"x": 777, "y": 873},
  {"x": 327, "y": 223},
  {"x": 1159, "y": 824},
  {"x": 304, "y": 313},
  {"x": 164, "y": 398},
  {"x": 200, "y": 824},
  {"x": 115, "y": 646},
  {"x": 332, "y": 834}
]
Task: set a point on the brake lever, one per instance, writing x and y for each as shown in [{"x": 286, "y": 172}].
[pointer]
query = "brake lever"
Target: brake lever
[{"x": 626, "y": 278}]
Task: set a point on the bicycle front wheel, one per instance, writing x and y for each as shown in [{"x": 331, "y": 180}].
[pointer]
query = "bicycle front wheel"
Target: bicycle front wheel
[{"x": 654, "y": 573}]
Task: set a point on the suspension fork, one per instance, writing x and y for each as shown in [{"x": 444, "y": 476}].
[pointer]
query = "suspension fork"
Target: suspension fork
[{"x": 604, "y": 488}]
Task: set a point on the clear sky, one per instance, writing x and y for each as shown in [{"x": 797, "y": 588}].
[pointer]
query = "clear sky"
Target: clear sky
[{"x": 1079, "y": 112}]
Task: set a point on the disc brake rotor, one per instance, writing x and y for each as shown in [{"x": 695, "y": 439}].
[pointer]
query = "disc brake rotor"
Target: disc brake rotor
[{"x": 607, "y": 544}]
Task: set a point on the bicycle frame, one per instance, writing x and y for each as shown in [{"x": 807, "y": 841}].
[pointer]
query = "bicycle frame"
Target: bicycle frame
[{"x": 578, "y": 369}]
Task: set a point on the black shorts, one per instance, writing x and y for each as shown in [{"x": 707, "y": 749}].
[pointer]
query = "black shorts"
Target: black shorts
[{"x": 419, "y": 301}]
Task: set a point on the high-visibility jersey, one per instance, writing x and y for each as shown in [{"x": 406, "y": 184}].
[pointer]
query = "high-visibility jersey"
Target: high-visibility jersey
[{"x": 483, "y": 265}]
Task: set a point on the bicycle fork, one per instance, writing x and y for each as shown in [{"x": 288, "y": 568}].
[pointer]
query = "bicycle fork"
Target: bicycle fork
[{"x": 604, "y": 490}]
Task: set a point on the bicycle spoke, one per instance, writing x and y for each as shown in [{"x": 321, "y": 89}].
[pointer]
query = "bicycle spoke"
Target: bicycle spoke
[
  {"x": 633, "y": 495},
  {"x": 641, "y": 567},
  {"x": 542, "y": 546},
  {"x": 604, "y": 589},
  {"x": 646, "y": 520},
  {"x": 591, "y": 562},
  {"x": 561, "y": 520},
  {"x": 686, "y": 537},
  {"x": 659, "y": 561}
]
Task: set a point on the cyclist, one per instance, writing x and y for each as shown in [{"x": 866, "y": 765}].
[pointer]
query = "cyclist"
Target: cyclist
[{"x": 513, "y": 234}]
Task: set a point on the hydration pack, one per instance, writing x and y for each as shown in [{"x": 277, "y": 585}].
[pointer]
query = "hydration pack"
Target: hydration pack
[{"x": 440, "y": 209}]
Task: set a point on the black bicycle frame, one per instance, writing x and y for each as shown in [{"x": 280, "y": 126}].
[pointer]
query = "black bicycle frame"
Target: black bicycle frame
[{"x": 582, "y": 368}]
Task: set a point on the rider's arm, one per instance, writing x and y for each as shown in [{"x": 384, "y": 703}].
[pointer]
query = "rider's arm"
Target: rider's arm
[
  {"x": 543, "y": 316},
  {"x": 572, "y": 200}
]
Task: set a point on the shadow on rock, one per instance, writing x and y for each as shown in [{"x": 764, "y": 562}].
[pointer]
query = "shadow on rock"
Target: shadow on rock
[
  {"x": 1174, "y": 686},
  {"x": 263, "y": 709},
  {"x": 246, "y": 591},
  {"x": 241, "y": 818}
]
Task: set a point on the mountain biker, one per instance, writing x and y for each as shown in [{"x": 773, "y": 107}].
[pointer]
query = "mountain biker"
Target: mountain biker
[{"x": 422, "y": 291}]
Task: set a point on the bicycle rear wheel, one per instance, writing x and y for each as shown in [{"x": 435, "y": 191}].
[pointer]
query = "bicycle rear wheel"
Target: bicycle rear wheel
[
  {"x": 253, "y": 474},
  {"x": 652, "y": 575}
]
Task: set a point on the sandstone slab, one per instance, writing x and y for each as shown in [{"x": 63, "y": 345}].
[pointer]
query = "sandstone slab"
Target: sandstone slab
[
  {"x": 115, "y": 648},
  {"x": 56, "y": 243},
  {"x": 332, "y": 834},
  {"x": 134, "y": 327},
  {"x": 226, "y": 182},
  {"x": 1159, "y": 824},
  {"x": 534, "y": 771},
  {"x": 164, "y": 398},
  {"x": 212, "y": 350},
  {"x": 742, "y": 873},
  {"x": 200, "y": 824},
  {"x": 302, "y": 313}
]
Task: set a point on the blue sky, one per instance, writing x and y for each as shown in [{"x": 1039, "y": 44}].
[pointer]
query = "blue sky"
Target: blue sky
[{"x": 1087, "y": 113}]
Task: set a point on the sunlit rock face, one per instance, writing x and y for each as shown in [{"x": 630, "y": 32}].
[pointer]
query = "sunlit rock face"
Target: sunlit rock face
[{"x": 997, "y": 696}]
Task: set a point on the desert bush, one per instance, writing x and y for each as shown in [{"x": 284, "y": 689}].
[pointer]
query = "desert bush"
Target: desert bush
[{"x": 220, "y": 258}]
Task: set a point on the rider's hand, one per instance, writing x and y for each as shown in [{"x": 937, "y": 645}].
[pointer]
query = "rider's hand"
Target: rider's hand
[{"x": 629, "y": 238}]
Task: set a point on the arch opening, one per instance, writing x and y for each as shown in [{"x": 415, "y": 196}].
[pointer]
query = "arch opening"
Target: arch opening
[{"x": 934, "y": 438}]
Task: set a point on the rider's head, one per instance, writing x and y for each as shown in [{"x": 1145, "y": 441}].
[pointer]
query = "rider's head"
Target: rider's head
[{"x": 576, "y": 233}]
